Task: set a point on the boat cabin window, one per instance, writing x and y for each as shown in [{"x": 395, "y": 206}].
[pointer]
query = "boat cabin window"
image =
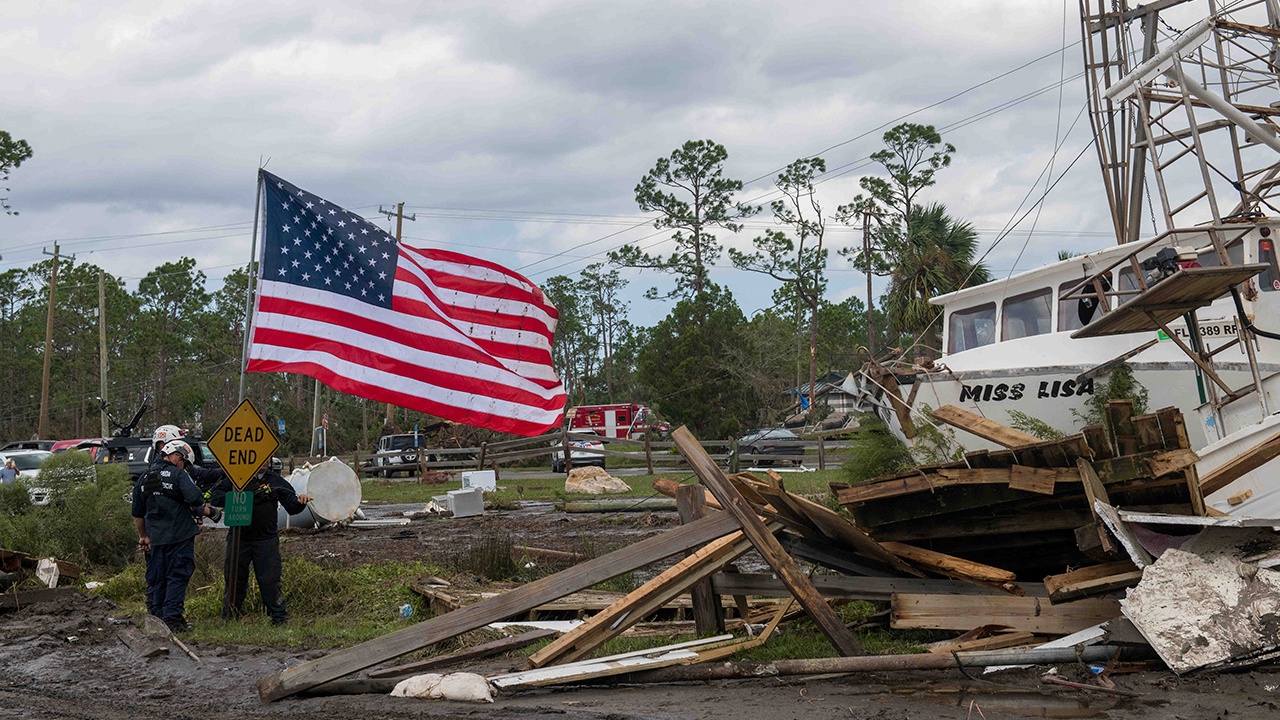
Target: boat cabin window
[
  {"x": 1076, "y": 312},
  {"x": 1027, "y": 314},
  {"x": 971, "y": 328},
  {"x": 1209, "y": 257}
]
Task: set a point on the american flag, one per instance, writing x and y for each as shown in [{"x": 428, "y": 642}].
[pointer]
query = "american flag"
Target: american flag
[{"x": 435, "y": 331}]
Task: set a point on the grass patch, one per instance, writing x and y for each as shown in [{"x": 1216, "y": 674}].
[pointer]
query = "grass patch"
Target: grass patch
[{"x": 328, "y": 607}]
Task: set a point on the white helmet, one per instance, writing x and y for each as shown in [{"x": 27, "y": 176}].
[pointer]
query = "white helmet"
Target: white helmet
[
  {"x": 165, "y": 433},
  {"x": 180, "y": 447}
]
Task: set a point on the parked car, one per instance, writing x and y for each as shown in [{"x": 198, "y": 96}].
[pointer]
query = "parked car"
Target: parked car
[
  {"x": 28, "y": 445},
  {"x": 581, "y": 452},
  {"x": 408, "y": 445},
  {"x": 771, "y": 441},
  {"x": 28, "y": 463}
]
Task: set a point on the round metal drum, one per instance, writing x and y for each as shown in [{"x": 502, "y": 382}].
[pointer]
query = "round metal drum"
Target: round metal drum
[{"x": 334, "y": 490}]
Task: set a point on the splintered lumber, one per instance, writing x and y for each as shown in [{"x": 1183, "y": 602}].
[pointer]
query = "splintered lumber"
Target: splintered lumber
[
  {"x": 483, "y": 650},
  {"x": 881, "y": 663},
  {"x": 844, "y": 531},
  {"x": 734, "y": 504},
  {"x": 849, "y": 587},
  {"x": 1128, "y": 540},
  {"x": 994, "y": 641},
  {"x": 605, "y": 666},
  {"x": 928, "y": 481},
  {"x": 1095, "y": 492},
  {"x": 1025, "y": 614},
  {"x": 982, "y": 427},
  {"x": 1095, "y": 579},
  {"x": 428, "y": 632},
  {"x": 952, "y": 567},
  {"x": 1167, "y": 463},
  {"x": 632, "y": 608},
  {"x": 1241, "y": 465}
]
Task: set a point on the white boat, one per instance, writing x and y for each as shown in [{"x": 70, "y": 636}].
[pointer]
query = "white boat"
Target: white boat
[{"x": 1194, "y": 311}]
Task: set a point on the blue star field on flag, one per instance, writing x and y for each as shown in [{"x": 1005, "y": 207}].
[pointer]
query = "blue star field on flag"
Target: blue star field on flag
[{"x": 314, "y": 243}]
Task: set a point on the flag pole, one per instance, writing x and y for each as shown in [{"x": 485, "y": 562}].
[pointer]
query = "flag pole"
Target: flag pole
[
  {"x": 231, "y": 568},
  {"x": 248, "y": 288}
]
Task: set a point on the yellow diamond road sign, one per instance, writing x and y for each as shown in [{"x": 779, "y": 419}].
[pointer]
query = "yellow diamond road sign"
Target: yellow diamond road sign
[{"x": 243, "y": 443}]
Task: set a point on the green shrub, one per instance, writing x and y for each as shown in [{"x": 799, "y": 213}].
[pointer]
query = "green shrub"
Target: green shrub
[
  {"x": 87, "y": 520},
  {"x": 873, "y": 451}
]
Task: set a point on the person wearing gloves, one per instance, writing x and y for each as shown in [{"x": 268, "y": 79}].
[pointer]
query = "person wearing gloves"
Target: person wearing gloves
[
  {"x": 166, "y": 503},
  {"x": 260, "y": 541}
]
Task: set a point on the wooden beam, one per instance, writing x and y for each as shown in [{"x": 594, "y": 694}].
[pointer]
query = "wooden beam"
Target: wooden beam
[
  {"x": 713, "y": 477},
  {"x": 1030, "y": 479},
  {"x": 483, "y": 650},
  {"x": 428, "y": 632},
  {"x": 1092, "y": 580},
  {"x": 1094, "y": 491},
  {"x": 946, "y": 477},
  {"x": 1025, "y": 614},
  {"x": 850, "y": 587},
  {"x": 708, "y": 613},
  {"x": 949, "y": 565},
  {"x": 1242, "y": 464},
  {"x": 983, "y": 428}
]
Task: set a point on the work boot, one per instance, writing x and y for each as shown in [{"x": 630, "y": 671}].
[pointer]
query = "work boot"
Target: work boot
[
  {"x": 280, "y": 620},
  {"x": 179, "y": 625}
]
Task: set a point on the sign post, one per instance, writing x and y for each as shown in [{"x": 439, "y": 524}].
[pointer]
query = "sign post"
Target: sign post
[{"x": 242, "y": 444}]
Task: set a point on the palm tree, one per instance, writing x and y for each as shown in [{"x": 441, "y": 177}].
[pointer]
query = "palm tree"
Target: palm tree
[{"x": 937, "y": 256}]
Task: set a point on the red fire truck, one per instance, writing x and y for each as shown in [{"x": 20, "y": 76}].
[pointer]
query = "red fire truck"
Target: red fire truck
[{"x": 623, "y": 420}]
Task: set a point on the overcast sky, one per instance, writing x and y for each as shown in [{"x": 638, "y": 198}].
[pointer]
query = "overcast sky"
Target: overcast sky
[{"x": 517, "y": 131}]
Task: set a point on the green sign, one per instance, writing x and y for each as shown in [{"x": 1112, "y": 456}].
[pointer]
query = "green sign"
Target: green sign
[{"x": 239, "y": 510}]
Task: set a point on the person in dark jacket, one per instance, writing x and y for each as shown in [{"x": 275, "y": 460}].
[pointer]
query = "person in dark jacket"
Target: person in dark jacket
[
  {"x": 259, "y": 542},
  {"x": 205, "y": 478},
  {"x": 166, "y": 504}
]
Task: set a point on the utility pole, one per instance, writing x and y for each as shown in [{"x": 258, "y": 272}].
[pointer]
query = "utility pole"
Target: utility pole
[
  {"x": 866, "y": 258},
  {"x": 400, "y": 218},
  {"x": 102, "y": 350},
  {"x": 43, "y": 431}
]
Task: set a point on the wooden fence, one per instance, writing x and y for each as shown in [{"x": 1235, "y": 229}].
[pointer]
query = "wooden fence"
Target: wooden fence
[{"x": 654, "y": 455}]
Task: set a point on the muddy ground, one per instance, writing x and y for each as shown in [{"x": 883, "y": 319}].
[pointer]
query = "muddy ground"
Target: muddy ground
[{"x": 63, "y": 659}]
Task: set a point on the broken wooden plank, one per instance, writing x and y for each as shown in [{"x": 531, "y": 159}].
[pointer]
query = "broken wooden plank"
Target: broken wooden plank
[
  {"x": 1172, "y": 461},
  {"x": 428, "y": 632},
  {"x": 950, "y": 566},
  {"x": 483, "y": 650},
  {"x": 641, "y": 602},
  {"x": 1036, "y": 480},
  {"x": 520, "y": 552},
  {"x": 850, "y": 587},
  {"x": 1096, "y": 437},
  {"x": 847, "y": 533},
  {"x": 1111, "y": 518},
  {"x": 1026, "y": 614},
  {"x": 1239, "y": 466},
  {"x": 713, "y": 477},
  {"x": 929, "y": 482},
  {"x": 1120, "y": 419},
  {"x": 995, "y": 641},
  {"x": 1240, "y": 497},
  {"x": 605, "y": 666},
  {"x": 982, "y": 427},
  {"x": 1092, "y": 580},
  {"x": 1095, "y": 492}
]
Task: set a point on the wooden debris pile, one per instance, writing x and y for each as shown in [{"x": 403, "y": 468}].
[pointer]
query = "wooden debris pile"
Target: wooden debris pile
[
  {"x": 962, "y": 547},
  {"x": 25, "y": 578},
  {"x": 1028, "y": 509}
]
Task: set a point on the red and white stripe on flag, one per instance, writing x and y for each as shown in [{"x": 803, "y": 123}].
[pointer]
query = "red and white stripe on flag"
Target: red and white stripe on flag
[{"x": 464, "y": 339}]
